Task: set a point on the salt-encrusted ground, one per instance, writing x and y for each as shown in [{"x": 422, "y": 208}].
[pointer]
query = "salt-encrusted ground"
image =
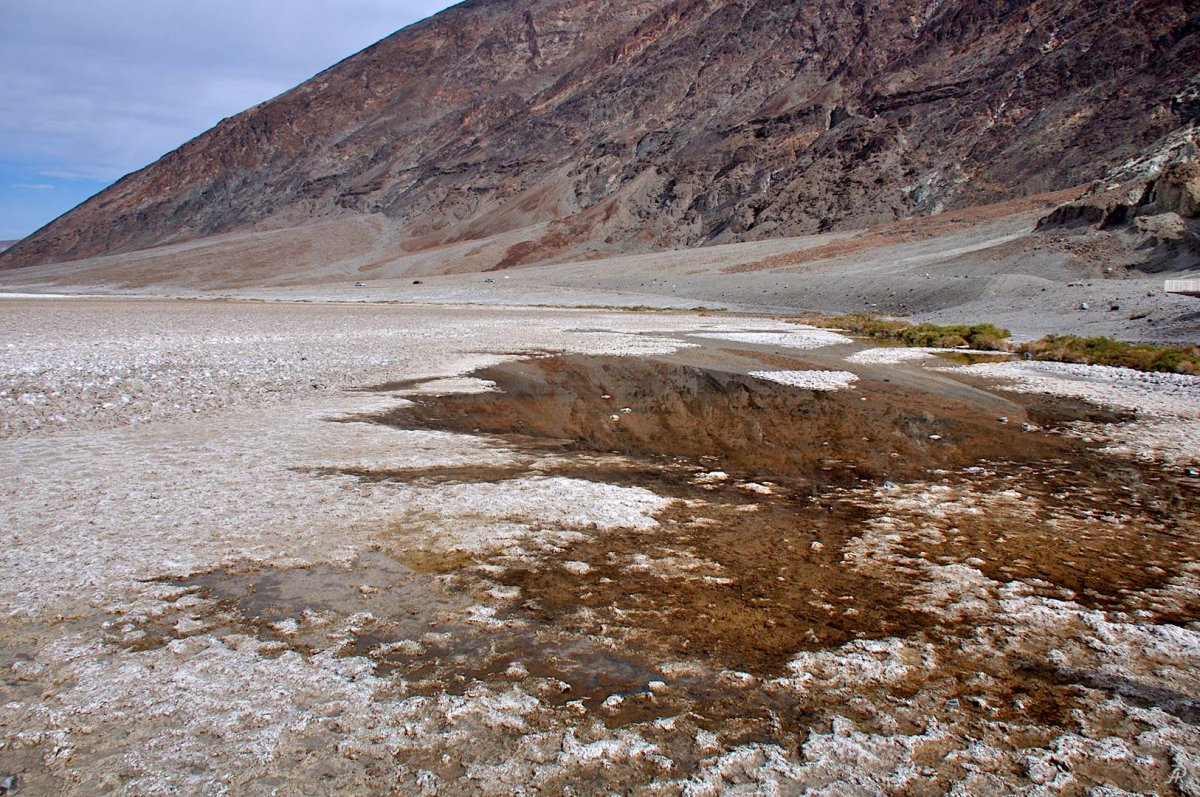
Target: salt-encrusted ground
[
  {"x": 222, "y": 576},
  {"x": 1167, "y": 424}
]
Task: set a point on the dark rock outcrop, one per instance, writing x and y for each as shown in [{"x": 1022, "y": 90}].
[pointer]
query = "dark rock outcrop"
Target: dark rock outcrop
[
  {"x": 625, "y": 126},
  {"x": 1150, "y": 205},
  {"x": 1177, "y": 190}
]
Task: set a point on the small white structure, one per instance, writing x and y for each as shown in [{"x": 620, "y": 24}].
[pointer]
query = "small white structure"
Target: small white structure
[{"x": 1183, "y": 287}]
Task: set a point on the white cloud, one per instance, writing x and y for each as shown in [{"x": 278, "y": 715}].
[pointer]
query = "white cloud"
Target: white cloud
[
  {"x": 99, "y": 88},
  {"x": 33, "y": 186}
]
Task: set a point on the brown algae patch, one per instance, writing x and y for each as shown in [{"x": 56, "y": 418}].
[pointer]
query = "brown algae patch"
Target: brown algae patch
[
  {"x": 800, "y": 523},
  {"x": 761, "y": 430},
  {"x": 749, "y": 565}
]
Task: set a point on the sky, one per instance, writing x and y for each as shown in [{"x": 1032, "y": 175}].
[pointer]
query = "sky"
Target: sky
[{"x": 91, "y": 90}]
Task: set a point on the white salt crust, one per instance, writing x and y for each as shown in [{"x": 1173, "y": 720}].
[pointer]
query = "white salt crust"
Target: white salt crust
[
  {"x": 809, "y": 380},
  {"x": 226, "y": 454}
]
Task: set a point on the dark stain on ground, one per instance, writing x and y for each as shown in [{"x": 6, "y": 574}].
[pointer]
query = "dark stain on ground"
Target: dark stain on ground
[
  {"x": 778, "y": 582},
  {"x": 1185, "y": 707},
  {"x": 390, "y": 603},
  {"x": 676, "y": 422},
  {"x": 256, "y": 600},
  {"x": 772, "y": 594}
]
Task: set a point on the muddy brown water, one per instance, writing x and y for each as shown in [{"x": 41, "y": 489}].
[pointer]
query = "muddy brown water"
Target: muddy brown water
[
  {"x": 667, "y": 412},
  {"x": 676, "y": 421},
  {"x": 747, "y": 566},
  {"x": 392, "y": 602}
]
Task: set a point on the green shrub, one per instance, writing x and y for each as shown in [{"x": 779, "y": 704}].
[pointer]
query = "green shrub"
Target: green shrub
[
  {"x": 1052, "y": 348},
  {"x": 1106, "y": 351},
  {"x": 976, "y": 336}
]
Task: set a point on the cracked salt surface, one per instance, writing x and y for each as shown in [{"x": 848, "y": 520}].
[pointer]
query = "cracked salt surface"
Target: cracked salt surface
[
  {"x": 1167, "y": 406},
  {"x": 458, "y": 384},
  {"x": 70, "y": 364},
  {"x": 896, "y": 355},
  {"x": 536, "y": 510},
  {"x": 1172, "y": 395},
  {"x": 809, "y": 380},
  {"x": 99, "y": 501},
  {"x": 889, "y": 355},
  {"x": 198, "y": 494},
  {"x": 795, "y": 338}
]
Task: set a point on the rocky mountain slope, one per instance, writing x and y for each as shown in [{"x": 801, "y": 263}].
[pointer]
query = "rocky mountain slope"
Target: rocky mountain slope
[
  {"x": 573, "y": 129},
  {"x": 1144, "y": 214}
]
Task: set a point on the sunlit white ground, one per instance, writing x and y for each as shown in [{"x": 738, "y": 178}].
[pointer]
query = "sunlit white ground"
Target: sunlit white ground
[{"x": 146, "y": 440}]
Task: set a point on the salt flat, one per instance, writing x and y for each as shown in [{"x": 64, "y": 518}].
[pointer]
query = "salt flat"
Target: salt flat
[{"x": 257, "y": 548}]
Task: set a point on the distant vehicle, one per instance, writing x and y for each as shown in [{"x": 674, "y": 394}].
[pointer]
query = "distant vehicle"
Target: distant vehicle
[
  {"x": 489, "y": 279},
  {"x": 360, "y": 285},
  {"x": 416, "y": 282}
]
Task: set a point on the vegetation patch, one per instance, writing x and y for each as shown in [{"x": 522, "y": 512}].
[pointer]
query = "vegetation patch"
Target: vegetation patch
[
  {"x": 975, "y": 336},
  {"x": 1106, "y": 351},
  {"x": 1051, "y": 348}
]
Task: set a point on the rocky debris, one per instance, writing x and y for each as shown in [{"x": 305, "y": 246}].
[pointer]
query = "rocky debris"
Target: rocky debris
[
  {"x": 1186, "y": 104},
  {"x": 607, "y": 127},
  {"x": 1177, "y": 190},
  {"x": 810, "y": 380},
  {"x": 1151, "y": 206},
  {"x": 1166, "y": 182}
]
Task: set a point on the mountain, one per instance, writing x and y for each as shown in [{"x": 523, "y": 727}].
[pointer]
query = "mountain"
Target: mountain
[{"x": 567, "y": 130}]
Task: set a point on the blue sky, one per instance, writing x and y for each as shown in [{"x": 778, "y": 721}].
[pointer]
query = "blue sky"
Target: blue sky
[{"x": 91, "y": 90}]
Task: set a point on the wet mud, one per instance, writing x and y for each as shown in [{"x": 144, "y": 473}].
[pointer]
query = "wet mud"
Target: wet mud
[
  {"x": 752, "y": 562},
  {"x": 756, "y": 429},
  {"x": 799, "y": 467}
]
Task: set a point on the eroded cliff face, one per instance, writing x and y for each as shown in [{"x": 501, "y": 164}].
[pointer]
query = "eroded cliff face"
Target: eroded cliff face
[
  {"x": 1147, "y": 208},
  {"x": 608, "y": 126}
]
